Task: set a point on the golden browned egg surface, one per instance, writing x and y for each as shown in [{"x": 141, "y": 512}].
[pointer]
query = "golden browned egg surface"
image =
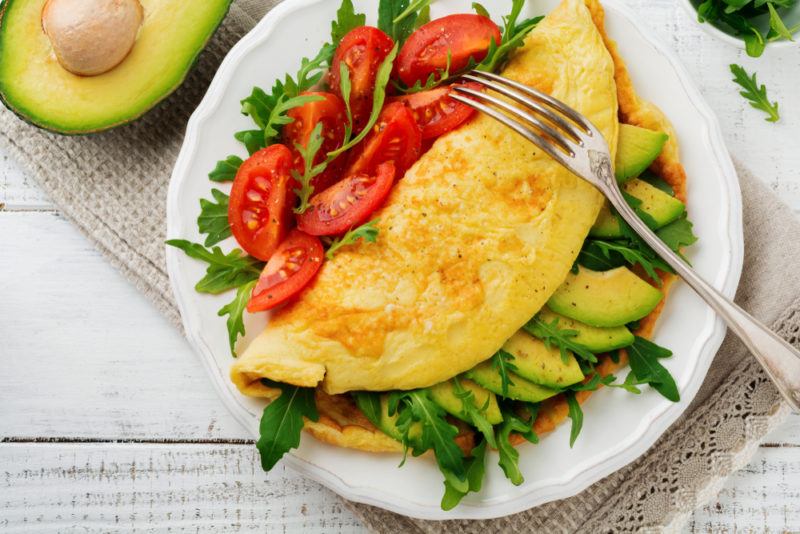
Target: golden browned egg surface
[{"x": 473, "y": 241}]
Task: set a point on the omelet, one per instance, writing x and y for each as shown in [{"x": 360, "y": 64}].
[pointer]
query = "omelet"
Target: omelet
[{"x": 472, "y": 242}]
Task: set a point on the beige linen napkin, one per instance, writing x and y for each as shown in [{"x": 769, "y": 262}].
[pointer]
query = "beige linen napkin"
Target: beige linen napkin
[{"x": 113, "y": 187}]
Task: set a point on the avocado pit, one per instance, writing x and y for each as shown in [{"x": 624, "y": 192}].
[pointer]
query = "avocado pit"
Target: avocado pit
[{"x": 90, "y": 37}]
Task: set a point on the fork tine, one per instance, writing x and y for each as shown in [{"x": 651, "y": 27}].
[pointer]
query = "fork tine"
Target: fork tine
[
  {"x": 530, "y": 103},
  {"x": 557, "y": 137},
  {"x": 573, "y": 115},
  {"x": 518, "y": 127}
]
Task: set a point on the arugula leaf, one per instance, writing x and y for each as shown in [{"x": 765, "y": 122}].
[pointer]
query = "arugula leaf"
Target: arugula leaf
[
  {"x": 643, "y": 356},
  {"x": 367, "y": 232},
  {"x": 235, "y": 311},
  {"x": 475, "y": 473},
  {"x": 776, "y": 23},
  {"x": 213, "y": 218},
  {"x": 553, "y": 336},
  {"x": 597, "y": 254},
  {"x": 370, "y": 405},
  {"x": 225, "y": 271},
  {"x": 513, "y": 36},
  {"x": 502, "y": 362},
  {"x": 282, "y": 422},
  {"x": 637, "y": 243},
  {"x": 398, "y": 18},
  {"x": 597, "y": 380},
  {"x": 755, "y": 94},
  {"x": 576, "y": 415},
  {"x": 677, "y": 234},
  {"x": 509, "y": 455},
  {"x": 226, "y": 169},
  {"x": 346, "y": 20},
  {"x": 436, "y": 433},
  {"x": 480, "y": 10},
  {"x": 378, "y": 97},
  {"x": 423, "y": 17},
  {"x": 253, "y": 140},
  {"x": 308, "y": 153},
  {"x": 474, "y": 413}
]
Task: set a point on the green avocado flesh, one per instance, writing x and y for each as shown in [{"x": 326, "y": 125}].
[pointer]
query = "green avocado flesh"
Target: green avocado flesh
[
  {"x": 542, "y": 365},
  {"x": 444, "y": 395},
  {"x": 593, "y": 338},
  {"x": 519, "y": 388},
  {"x": 605, "y": 299},
  {"x": 37, "y": 88},
  {"x": 636, "y": 150},
  {"x": 660, "y": 206}
]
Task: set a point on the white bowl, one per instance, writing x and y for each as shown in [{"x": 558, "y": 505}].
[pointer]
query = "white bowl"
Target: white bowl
[{"x": 762, "y": 22}]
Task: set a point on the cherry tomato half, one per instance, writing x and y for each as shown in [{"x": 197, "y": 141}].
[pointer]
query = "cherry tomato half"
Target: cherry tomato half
[
  {"x": 435, "y": 112},
  {"x": 463, "y": 36},
  {"x": 362, "y": 50},
  {"x": 347, "y": 203},
  {"x": 290, "y": 269},
  {"x": 395, "y": 137},
  {"x": 331, "y": 113},
  {"x": 259, "y": 210}
]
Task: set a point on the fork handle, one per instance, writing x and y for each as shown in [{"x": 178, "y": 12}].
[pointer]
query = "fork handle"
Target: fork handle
[{"x": 780, "y": 360}]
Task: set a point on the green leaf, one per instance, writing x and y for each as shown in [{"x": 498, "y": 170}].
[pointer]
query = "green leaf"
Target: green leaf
[
  {"x": 282, "y": 422},
  {"x": 595, "y": 252},
  {"x": 346, "y": 20},
  {"x": 235, "y": 311},
  {"x": 367, "y": 232},
  {"x": 553, "y": 336},
  {"x": 677, "y": 234},
  {"x": 755, "y": 94},
  {"x": 474, "y": 413},
  {"x": 226, "y": 169},
  {"x": 502, "y": 362},
  {"x": 476, "y": 468},
  {"x": 278, "y": 117},
  {"x": 253, "y": 140},
  {"x": 509, "y": 456},
  {"x": 644, "y": 356},
  {"x": 213, "y": 218},
  {"x": 776, "y": 23},
  {"x": 423, "y": 17},
  {"x": 480, "y": 10},
  {"x": 225, "y": 271},
  {"x": 398, "y": 18},
  {"x": 412, "y": 9},
  {"x": 378, "y": 97},
  {"x": 370, "y": 405},
  {"x": 576, "y": 416},
  {"x": 513, "y": 36},
  {"x": 310, "y": 171}
]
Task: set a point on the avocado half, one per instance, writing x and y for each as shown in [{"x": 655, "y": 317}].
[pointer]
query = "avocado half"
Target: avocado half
[{"x": 37, "y": 88}]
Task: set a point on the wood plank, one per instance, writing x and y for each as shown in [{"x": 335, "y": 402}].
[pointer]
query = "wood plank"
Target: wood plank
[
  {"x": 85, "y": 355},
  {"x": 787, "y": 435},
  {"x": 17, "y": 190},
  {"x": 763, "y": 497},
  {"x": 124, "y": 488}
]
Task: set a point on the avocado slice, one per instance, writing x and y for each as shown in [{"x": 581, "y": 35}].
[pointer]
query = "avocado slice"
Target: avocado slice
[
  {"x": 637, "y": 148},
  {"x": 604, "y": 298},
  {"x": 542, "y": 365},
  {"x": 593, "y": 338},
  {"x": 35, "y": 86},
  {"x": 519, "y": 388},
  {"x": 444, "y": 395},
  {"x": 660, "y": 206}
]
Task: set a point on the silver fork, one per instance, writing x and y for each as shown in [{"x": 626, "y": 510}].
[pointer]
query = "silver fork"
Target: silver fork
[{"x": 572, "y": 140}]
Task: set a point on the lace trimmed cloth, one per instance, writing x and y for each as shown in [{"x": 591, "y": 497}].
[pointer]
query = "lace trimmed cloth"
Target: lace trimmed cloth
[{"x": 113, "y": 186}]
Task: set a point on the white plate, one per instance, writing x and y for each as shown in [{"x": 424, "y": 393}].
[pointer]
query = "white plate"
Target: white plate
[{"x": 618, "y": 427}]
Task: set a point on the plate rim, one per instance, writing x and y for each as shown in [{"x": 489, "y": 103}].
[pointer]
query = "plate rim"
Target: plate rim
[{"x": 657, "y": 423}]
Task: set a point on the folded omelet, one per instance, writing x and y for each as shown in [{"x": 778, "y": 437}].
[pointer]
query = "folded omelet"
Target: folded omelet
[{"x": 473, "y": 241}]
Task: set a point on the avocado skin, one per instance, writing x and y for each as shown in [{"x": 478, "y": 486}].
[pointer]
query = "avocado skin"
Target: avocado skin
[
  {"x": 540, "y": 364},
  {"x": 593, "y": 338},
  {"x": 524, "y": 390},
  {"x": 637, "y": 149},
  {"x": 605, "y": 299},
  {"x": 662, "y": 208},
  {"x": 5, "y": 5},
  {"x": 444, "y": 395}
]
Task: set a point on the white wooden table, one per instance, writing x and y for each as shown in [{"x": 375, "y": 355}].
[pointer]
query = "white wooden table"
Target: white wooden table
[{"x": 108, "y": 422}]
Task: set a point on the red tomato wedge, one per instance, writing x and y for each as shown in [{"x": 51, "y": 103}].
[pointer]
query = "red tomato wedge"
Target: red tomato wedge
[
  {"x": 425, "y": 51},
  {"x": 435, "y": 112},
  {"x": 331, "y": 113},
  {"x": 395, "y": 137},
  {"x": 347, "y": 203},
  {"x": 259, "y": 210},
  {"x": 362, "y": 50},
  {"x": 290, "y": 269}
]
